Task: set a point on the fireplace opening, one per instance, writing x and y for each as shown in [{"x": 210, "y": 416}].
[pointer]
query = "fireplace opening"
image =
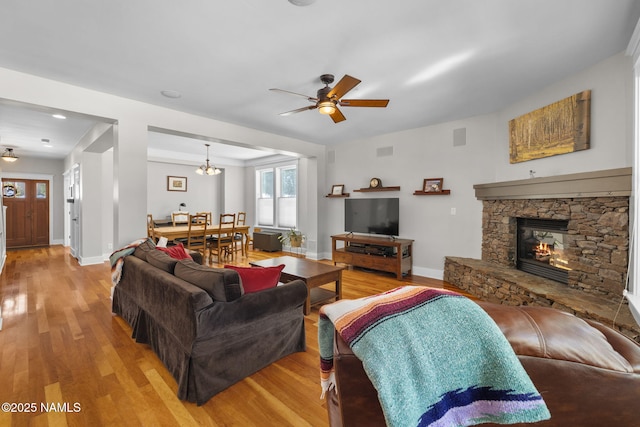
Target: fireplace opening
[{"x": 541, "y": 247}]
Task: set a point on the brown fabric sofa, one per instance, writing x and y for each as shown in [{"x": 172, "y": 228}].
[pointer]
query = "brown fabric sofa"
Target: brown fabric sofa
[
  {"x": 202, "y": 326},
  {"x": 587, "y": 373}
]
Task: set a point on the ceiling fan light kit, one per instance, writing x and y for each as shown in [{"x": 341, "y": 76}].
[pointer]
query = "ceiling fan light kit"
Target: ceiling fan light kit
[
  {"x": 328, "y": 99},
  {"x": 326, "y": 107},
  {"x": 9, "y": 155},
  {"x": 207, "y": 169}
]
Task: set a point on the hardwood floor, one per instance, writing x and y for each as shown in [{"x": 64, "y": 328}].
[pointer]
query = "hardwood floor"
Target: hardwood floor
[{"x": 66, "y": 360}]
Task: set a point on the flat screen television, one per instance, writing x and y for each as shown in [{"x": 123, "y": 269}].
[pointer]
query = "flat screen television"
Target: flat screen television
[{"x": 374, "y": 216}]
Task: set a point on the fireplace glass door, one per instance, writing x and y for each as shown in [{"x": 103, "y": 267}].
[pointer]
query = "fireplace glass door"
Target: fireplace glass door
[{"x": 541, "y": 248}]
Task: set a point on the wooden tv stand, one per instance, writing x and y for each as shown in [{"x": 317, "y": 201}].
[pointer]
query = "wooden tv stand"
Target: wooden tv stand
[{"x": 376, "y": 253}]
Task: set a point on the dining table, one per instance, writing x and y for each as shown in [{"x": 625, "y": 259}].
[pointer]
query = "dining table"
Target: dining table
[{"x": 181, "y": 231}]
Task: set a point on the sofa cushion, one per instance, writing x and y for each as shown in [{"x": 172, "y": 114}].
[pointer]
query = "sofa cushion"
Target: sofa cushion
[
  {"x": 162, "y": 261},
  {"x": 255, "y": 279},
  {"x": 143, "y": 249},
  {"x": 177, "y": 251},
  {"x": 221, "y": 283}
]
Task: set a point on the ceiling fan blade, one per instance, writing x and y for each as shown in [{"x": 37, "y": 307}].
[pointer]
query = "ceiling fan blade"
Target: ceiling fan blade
[
  {"x": 299, "y": 110},
  {"x": 337, "y": 116},
  {"x": 364, "y": 102},
  {"x": 343, "y": 86},
  {"x": 310, "y": 98}
]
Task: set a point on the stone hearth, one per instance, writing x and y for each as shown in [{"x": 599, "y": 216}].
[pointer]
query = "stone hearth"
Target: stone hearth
[
  {"x": 504, "y": 285},
  {"x": 596, "y": 206}
]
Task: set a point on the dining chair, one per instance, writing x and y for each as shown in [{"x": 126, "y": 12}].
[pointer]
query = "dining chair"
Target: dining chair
[
  {"x": 197, "y": 235},
  {"x": 208, "y": 214},
  {"x": 179, "y": 218},
  {"x": 150, "y": 228},
  {"x": 238, "y": 238},
  {"x": 221, "y": 241}
]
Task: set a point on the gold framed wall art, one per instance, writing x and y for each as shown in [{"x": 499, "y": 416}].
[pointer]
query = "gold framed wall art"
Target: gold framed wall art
[{"x": 559, "y": 128}]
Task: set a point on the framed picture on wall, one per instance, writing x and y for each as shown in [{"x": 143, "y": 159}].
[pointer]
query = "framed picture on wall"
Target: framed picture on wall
[
  {"x": 432, "y": 185},
  {"x": 337, "y": 190},
  {"x": 176, "y": 183}
]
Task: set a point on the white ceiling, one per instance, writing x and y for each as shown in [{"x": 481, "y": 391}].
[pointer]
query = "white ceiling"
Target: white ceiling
[{"x": 435, "y": 60}]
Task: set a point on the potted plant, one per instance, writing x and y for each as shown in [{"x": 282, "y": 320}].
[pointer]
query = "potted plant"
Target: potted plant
[{"x": 292, "y": 237}]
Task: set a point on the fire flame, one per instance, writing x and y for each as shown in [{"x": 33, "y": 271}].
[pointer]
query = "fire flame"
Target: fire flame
[
  {"x": 543, "y": 249},
  {"x": 545, "y": 253}
]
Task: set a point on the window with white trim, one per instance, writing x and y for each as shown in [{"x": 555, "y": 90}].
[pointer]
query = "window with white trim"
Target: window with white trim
[
  {"x": 632, "y": 289},
  {"x": 276, "y": 196}
]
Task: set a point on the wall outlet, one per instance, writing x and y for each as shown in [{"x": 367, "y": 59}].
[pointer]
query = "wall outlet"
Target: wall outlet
[
  {"x": 453, "y": 211},
  {"x": 109, "y": 245}
]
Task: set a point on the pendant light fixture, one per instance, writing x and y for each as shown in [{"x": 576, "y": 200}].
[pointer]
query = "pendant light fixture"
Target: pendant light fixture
[
  {"x": 208, "y": 169},
  {"x": 9, "y": 155}
]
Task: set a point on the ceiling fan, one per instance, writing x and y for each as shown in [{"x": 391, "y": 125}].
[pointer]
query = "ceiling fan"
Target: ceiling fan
[{"x": 328, "y": 99}]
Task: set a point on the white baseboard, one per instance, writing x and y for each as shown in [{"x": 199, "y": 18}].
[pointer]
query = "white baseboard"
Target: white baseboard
[
  {"x": 90, "y": 260},
  {"x": 431, "y": 273},
  {"x": 311, "y": 255}
]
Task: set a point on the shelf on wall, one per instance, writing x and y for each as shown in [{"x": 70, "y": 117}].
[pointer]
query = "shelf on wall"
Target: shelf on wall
[
  {"x": 365, "y": 190},
  {"x": 431, "y": 193},
  {"x": 338, "y": 195}
]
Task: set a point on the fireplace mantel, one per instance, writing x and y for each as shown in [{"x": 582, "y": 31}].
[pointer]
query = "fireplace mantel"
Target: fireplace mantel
[{"x": 607, "y": 183}]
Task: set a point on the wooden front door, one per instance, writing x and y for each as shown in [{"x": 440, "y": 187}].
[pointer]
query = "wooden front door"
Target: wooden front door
[{"x": 27, "y": 203}]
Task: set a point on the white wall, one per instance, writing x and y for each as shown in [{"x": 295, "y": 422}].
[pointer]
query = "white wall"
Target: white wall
[
  {"x": 107, "y": 203},
  {"x": 419, "y": 154},
  {"x": 234, "y": 189},
  {"x": 96, "y": 205},
  {"x": 611, "y": 84},
  {"x": 308, "y": 191},
  {"x": 429, "y": 153},
  {"x": 203, "y": 192},
  {"x": 133, "y": 120},
  {"x": 91, "y": 213}
]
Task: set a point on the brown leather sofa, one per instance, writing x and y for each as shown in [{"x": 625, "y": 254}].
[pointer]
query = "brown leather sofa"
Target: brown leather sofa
[{"x": 587, "y": 373}]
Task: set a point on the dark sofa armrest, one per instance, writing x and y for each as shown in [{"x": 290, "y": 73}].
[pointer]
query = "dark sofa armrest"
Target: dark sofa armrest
[
  {"x": 171, "y": 302},
  {"x": 621, "y": 344},
  {"x": 251, "y": 307}
]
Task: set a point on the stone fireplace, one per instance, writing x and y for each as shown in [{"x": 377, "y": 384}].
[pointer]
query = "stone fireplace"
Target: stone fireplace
[
  {"x": 596, "y": 243},
  {"x": 583, "y": 217}
]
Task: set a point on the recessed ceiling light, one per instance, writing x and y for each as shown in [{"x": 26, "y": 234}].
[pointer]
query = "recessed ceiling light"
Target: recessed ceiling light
[
  {"x": 302, "y": 2},
  {"x": 58, "y": 116},
  {"x": 171, "y": 94}
]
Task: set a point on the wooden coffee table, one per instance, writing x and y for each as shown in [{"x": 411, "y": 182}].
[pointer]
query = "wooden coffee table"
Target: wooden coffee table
[{"x": 312, "y": 273}]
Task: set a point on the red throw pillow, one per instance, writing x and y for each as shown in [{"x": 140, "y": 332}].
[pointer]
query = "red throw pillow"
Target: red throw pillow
[
  {"x": 177, "y": 252},
  {"x": 255, "y": 279}
]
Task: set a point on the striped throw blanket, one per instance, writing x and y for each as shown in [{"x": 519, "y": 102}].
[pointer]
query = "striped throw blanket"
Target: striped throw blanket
[
  {"x": 435, "y": 358},
  {"x": 116, "y": 259}
]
